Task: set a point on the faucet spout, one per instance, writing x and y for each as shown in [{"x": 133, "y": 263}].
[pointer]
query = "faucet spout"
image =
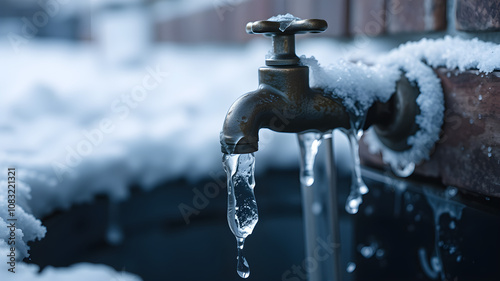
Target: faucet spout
[{"x": 284, "y": 102}]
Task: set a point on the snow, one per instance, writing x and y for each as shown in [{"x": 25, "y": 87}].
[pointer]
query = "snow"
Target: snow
[
  {"x": 360, "y": 85},
  {"x": 285, "y": 20},
  {"x": 357, "y": 84},
  {"x": 76, "y": 272},
  {"x": 453, "y": 52}
]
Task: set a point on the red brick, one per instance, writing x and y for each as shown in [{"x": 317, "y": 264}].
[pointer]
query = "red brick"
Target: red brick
[
  {"x": 477, "y": 15},
  {"x": 461, "y": 158}
]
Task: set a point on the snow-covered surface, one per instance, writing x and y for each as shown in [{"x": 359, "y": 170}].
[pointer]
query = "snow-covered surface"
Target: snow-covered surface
[
  {"x": 76, "y": 272},
  {"x": 449, "y": 52}
]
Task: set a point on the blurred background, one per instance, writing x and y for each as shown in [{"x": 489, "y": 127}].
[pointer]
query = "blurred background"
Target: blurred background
[{"x": 111, "y": 111}]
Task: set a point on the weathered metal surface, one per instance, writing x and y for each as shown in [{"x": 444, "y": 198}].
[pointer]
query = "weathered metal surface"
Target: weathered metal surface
[
  {"x": 468, "y": 153},
  {"x": 478, "y": 15}
]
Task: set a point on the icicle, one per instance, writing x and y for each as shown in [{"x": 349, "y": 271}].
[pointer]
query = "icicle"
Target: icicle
[
  {"x": 440, "y": 203},
  {"x": 242, "y": 214},
  {"x": 403, "y": 171},
  {"x": 358, "y": 187},
  {"x": 309, "y": 143}
]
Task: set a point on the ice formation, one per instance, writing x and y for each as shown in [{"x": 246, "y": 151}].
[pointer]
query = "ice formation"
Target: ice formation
[
  {"x": 360, "y": 85},
  {"x": 284, "y": 20},
  {"x": 441, "y": 203},
  {"x": 242, "y": 212},
  {"x": 309, "y": 143}
]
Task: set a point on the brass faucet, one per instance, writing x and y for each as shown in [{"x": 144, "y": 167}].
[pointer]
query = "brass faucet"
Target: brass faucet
[{"x": 284, "y": 101}]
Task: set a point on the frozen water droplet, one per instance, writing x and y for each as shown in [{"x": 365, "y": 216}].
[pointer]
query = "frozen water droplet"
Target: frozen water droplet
[
  {"x": 452, "y": 250},
  {"x": 479, "y": 116},
  {"x": 436, "y": 264},
  {"x": 353, "y": 202},
  {"x": 452, "y": 225},
  {"x": 448, "y": 74},
  {"x": 471, "y": 121},
  {"x": 363, "y": 189},
  {"x": 489, "y": 148},
  {"x": 403, "y": 171},
  {"x": 489, "y": 154},
  {"x": 367, "y": 251},
  {"x": 309, "y": 143},
  {"x": 350, "y": 267},
  {"x": 480, "y": 97},
  {"x": 242, "y": 212},
  {"x": 242, "y": 265},
  {"x": 451, "y": 191}
]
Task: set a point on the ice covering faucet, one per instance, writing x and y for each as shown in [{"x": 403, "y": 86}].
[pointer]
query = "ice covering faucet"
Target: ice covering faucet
[{"x": 284, "y": 101}]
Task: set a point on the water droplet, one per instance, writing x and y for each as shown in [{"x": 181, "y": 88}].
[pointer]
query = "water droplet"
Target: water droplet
[
  {"x": 451, "y": 191},
  {"x": 242, "y": 265},
  {"x": 459, "y": 258},
  {"x": 479, "y": 116},
  {"x": 309, "y": 143},
  {"x": 452, "y": 225},
  {"x": 418, "y": 217},
  {"x": 471, "y": 121},
  {"x": 353, "y": 202},
  {"x": 480, "y": 97},
  {"x": 350, "y": 267},
  {"x": 436, "y": 264},
  {"x": 487, "y": 198},
  {"x": 448, "y": 74},
  {"x": 403, "y": 171},
  {"x": 367, "y": 251},
  {"x": 452, "y": 250},
  {"x": 489, "y": 154}
]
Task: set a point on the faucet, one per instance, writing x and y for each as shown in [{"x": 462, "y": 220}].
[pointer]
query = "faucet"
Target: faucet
[{"x": 284, "y": 101}]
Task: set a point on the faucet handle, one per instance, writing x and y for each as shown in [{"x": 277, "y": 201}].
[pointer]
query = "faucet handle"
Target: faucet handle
[
  {"x": 283, "y": 35},
  {"x": 267, "y": 27}
]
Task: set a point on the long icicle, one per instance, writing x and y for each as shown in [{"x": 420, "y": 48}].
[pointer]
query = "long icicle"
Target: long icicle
[{"x": 242, "y": 213}]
